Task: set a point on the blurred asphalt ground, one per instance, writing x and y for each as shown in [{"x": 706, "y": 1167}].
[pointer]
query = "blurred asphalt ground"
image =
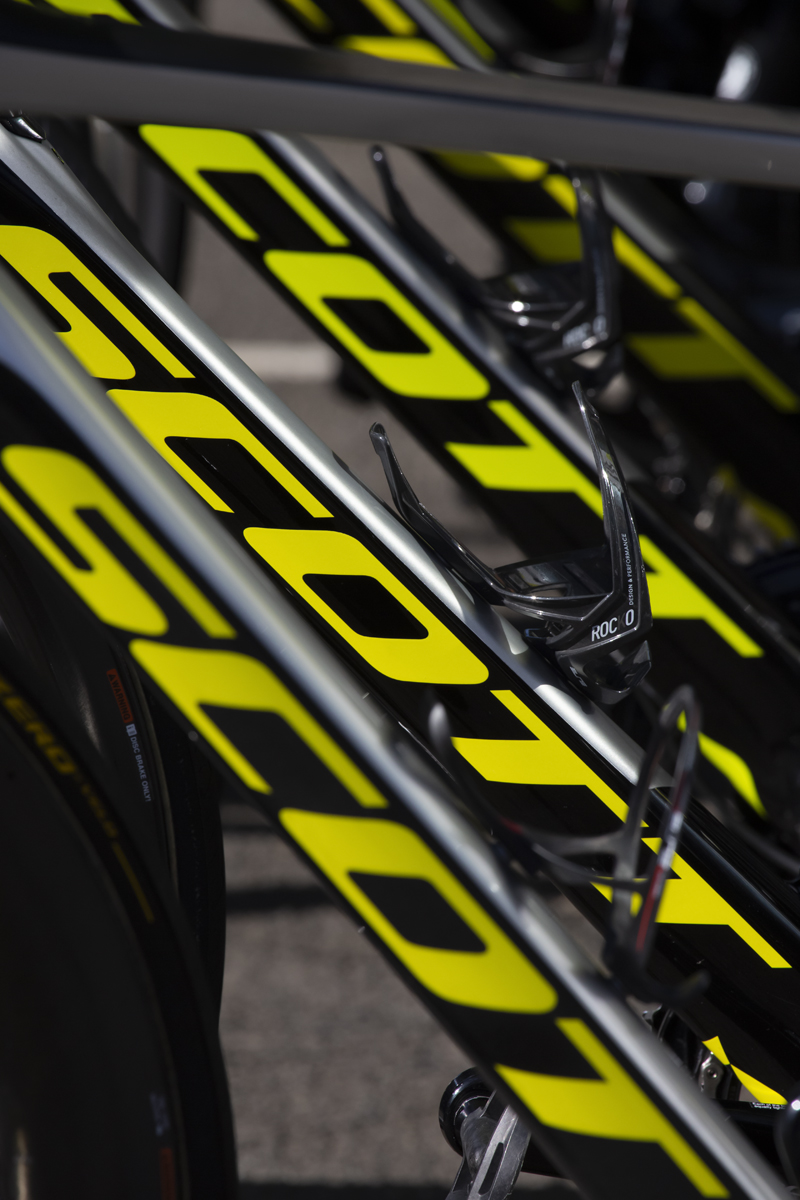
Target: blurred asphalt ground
[{"x": 336, "y": 1071}]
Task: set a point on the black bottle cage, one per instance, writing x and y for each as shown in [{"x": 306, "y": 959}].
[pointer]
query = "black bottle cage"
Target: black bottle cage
[
  {"x": 548, "y": 322},
  {"x": 592, "y": 607},
  {"x": 631, "y": 929},
  {"x": 556, "y": 327}
]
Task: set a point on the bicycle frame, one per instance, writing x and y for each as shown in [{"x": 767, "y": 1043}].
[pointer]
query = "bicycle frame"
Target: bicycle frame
[
  {"x": 128, "y": 75},
  {"x": 500, "y": 695},
  {"x": 510, "y": 446},
  {"x": 498, "y": 431},
  {"x": 218, "y": 643},
  {"x": 687, "y": 345},
  {"x": 353, "y": 508},
  {"x": 494, "y": 425}
]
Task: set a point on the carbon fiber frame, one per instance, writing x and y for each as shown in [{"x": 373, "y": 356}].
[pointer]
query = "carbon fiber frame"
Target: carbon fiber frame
[{"x": 217, "y": 641}]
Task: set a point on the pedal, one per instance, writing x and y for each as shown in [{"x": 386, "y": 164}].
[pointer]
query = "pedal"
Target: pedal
[
  {"x": 494, "y": 1145},
  {"x": 494, "y": 1142}
]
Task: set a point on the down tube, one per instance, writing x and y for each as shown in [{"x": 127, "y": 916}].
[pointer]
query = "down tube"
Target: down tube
[
  {"x": 235, "y": 665},
  {"x": 402, "y": 623},
  {"x": 495, "y": 427},
  {"x": 234, "y": 662}
]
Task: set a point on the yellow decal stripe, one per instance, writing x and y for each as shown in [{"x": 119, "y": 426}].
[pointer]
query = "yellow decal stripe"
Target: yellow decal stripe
[
  {"x": 612, "y": 1106},
  {"x": 554, "y": 239},
  {"x": 690, "y": 900},
  {"x": 674, "y": 595},
  {"x": 159, "y": 415},
  {"x": 408, "y": 49},
  {"x": 224, "y": 679},
  {"x": 63, "y": 487},
  {"x": 457, "y": 21},
  {"x": 311, "y": 14},
  {"x": 497, "y": 977},
  {"x": 95, "y": 8},
  {"x": 648, "y": 270},
  {"x": 534, "y": 466},
  {"x": 710, "y": 352},
  {"x": 762, "y": 1093},
  {"x": 487, "y": 165},
  {"x": 438, "y": 657},
  {"x": 190, "y": 152},
  {"x": 106, "y": 586},
  {"x": 734, "y": 768},
  {"x": 560, "y": 188},
  {"x": 538, "y": 466},
  {"x": 392, "y": 16},
  {"x": 439, "y": 373},
  {"x": 546, "y": 760},
  {"x": 37, "y": 255}
]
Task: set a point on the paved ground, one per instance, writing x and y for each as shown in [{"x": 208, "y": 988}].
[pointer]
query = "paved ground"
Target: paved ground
[{"x": 336, "y": 1071}]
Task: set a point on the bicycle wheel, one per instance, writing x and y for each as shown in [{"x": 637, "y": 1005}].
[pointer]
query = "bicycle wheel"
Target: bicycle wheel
[
  {"x": 165, "y": 791},
  {"x": 112, "y": 1080}
]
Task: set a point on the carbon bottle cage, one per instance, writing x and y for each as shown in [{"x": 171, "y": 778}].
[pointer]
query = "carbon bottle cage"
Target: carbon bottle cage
[
  {"x": 423, "y": 241},
  {"x": 561, "y": 312},
  {"x": 592, "y": 607},
  {"x": 551, "y": 314},
  {"x": 631, "y": 928}
]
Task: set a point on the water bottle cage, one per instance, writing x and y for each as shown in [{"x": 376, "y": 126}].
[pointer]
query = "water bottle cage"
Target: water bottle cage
[
  {"x": 591, "y": 607},
  {"x": 553, "y": 315}
]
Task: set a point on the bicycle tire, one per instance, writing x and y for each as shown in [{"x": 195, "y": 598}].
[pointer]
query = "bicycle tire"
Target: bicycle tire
[
  {"x": 112, "y": 1074},
  {"x": 79, "y": 675}
]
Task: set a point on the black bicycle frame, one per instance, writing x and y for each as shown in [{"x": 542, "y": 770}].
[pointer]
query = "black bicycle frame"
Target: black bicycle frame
[
  {"x": 398, "y": 618},
  {"x": 496, "y": 428},
  {"x": 128, "y": 74},
  {"x": 493, "y": 426},
  {"x": 220, "y": 645},
  {"x": 693, "y": 352},
  {"x": 687, "y": 344}
]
